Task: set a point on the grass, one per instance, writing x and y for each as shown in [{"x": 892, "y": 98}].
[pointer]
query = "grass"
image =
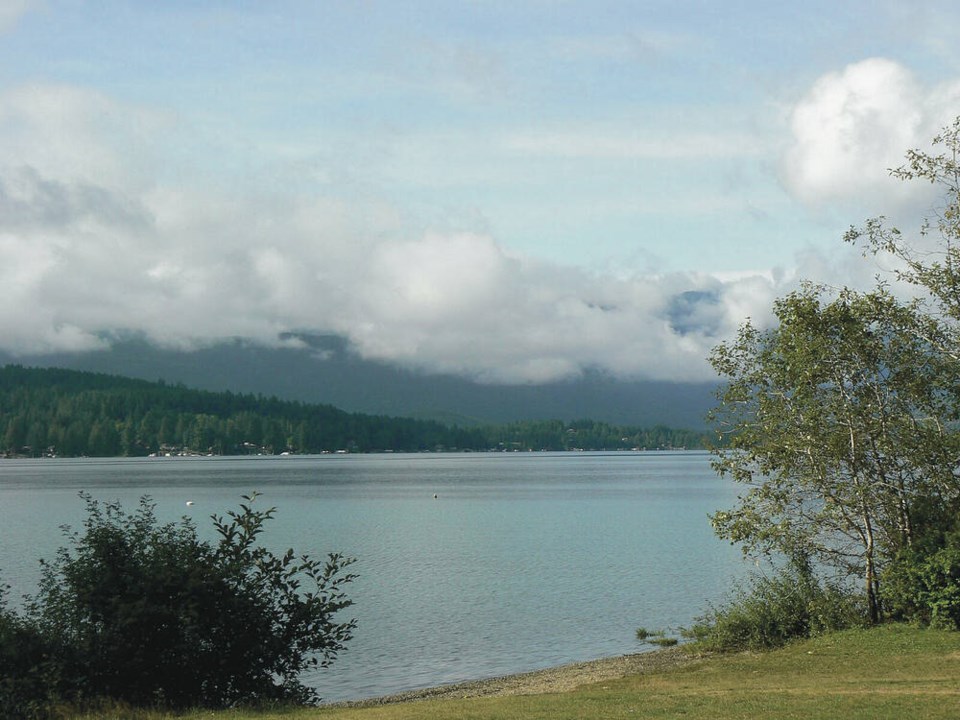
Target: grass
[{"x": 891, "y": 672}]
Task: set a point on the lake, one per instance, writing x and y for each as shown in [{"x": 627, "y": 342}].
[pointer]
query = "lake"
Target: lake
[{"x": 521, "y": 561}]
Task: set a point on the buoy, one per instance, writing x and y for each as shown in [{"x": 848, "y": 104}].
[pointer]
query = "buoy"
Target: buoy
[{"x": 434, "y": 496}]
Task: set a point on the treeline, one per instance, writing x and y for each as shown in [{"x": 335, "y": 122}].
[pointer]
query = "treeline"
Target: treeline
[
  {"x": 50, "y": 411},
  {"x": 588, "y": 435}
]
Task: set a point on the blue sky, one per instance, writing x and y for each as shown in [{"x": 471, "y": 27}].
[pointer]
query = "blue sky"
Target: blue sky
[{"x": 509, "y": 191}]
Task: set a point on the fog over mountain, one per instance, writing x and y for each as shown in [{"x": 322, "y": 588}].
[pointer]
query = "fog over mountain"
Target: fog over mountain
[
  {"x": 554, "y": 208},
  {"x": 325, "y": 372}
]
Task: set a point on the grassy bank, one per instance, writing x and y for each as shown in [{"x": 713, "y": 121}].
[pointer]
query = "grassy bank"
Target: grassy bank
[{"x": 889, "y": 672}]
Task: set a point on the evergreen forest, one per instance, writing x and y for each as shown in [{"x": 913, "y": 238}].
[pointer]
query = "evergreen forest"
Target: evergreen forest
[{"x": 67, "y": 413}]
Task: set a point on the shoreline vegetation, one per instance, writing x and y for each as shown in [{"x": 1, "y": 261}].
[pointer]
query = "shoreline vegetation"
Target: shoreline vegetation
[
  {"x": 51, "y": 412},
  {"x": 841, "y": 423},
  {"x": 885, "y": 672}
]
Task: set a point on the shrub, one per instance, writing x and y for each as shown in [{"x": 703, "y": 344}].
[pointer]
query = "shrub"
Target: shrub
[
  {"x": 29, "y": 667},
  {"x": 150, "y": 615},
  {"x": 656, "y": 638},
  {"x": 923, "y": 584},
  {"x": 771, "y": 611},
  {"x": 663, "y": 641}
]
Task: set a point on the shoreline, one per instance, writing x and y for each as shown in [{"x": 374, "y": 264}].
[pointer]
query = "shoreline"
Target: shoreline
[{"x": 561, "y": 678}]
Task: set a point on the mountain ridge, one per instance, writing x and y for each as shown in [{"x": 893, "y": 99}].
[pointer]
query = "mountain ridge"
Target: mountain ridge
[{"x": 323, "y": 370}]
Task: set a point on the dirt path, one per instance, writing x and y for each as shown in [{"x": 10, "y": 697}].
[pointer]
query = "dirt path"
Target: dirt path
[{"x": 558, "y": 679}]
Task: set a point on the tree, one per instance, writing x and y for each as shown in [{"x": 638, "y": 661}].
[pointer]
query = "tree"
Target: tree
[
  {"x": 927, "y": 576},
  {"x": 839, "y": 421},
  {"x": 150, "y": 614},
  {"x": 936, "y": 270}
]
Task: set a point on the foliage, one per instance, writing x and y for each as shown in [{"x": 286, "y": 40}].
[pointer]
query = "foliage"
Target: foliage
[
  {"x": 774, "y": 610},
  {"x": 659, "y": 638},
  {"x": 923, "y": 583},
  {"x": 936, "y": 270},
  {"x": 843, "y": 418},
  {"x": 70, "y": 413},
  {"x": 148, "y": 614},
  {"x": 29, "y": 667},
  {"x": 839, "y": 422},
  {"x": 586, "y": 435},
  {"x": 888, "y": 672}
]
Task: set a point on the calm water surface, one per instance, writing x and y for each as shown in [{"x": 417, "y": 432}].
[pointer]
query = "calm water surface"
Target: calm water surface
[{"x": 522, "y": 561}]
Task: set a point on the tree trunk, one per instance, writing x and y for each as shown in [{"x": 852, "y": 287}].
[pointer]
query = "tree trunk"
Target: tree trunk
[
  {"x": 872, "y": 588},
  {"x": 871, "y": 581}
]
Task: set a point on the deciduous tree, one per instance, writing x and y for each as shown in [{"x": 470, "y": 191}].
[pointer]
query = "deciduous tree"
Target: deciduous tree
[
  {"x": 150, "y": 614},
  {"x": 839, "y": 422}
]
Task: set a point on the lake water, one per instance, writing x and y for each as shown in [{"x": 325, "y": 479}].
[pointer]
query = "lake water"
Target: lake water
[{"x": 522, "y": 561}]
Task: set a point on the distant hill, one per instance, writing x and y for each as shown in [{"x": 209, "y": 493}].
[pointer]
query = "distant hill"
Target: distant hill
[
  {"x": 325, "y": 372},
  {"x": 58, "y": 412}
]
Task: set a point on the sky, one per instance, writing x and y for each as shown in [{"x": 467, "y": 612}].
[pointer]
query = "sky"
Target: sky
[{"x": 513, "y": 192}]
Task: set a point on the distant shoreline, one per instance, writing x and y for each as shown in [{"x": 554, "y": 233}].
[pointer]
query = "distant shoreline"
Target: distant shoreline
[{"x": 193, "y": 455}]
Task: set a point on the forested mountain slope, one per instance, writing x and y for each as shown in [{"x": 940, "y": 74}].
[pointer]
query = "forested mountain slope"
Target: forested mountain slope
[
  {"x": 325, "y": 371},
  {"x": 51, "y": 411}
]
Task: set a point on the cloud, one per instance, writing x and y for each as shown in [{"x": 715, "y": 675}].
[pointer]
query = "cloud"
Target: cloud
[
  {"x": 92, "y": 249},
  {"x": 100, "y": 238},
  {"x": 75, "y": 134},
  {"x": 853, "y": 125},
  {"x": 187, "y": 272}
]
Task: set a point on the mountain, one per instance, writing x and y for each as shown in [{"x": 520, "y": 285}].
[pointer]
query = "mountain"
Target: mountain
[
  {"x": 70, "y": 413},
  {"x": 326, "y": 372}
]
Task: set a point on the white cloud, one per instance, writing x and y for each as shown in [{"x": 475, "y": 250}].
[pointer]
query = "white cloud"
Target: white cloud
[
  {"x": 98, "y": 237},
  {"x": 453, "y": 303},
  {"x": 86, "y": 259},
  {"x": 72, "y": 134},
  {"x": 852, "y": 126}
]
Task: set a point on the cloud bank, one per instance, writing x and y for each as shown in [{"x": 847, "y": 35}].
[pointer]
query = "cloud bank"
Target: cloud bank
[
  {"x": 106, "y": 230},
  {"x": 95, "y": 245}
]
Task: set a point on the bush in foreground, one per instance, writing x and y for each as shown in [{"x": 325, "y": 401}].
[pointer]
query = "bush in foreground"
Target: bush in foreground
[
  {"x": 922, "y": 585},
  {"x": 771, "y": 611},
  {"x": 150, "y": 615},
  {"x": 29, "y": 667}
]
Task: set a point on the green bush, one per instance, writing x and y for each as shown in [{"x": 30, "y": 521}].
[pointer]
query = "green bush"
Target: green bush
[
  {"x": 29, "y": 667},
  {"x": 656, "y": 638},
  {"x": 771, "y": 611},
  {"x": 663, "y": 641},
  {"x": 150, "y": 615},
  {"x": 923, "y": 585}
]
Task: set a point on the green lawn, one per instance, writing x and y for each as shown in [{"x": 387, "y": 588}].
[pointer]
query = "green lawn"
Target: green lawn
[{"x": 892, "y": 672}]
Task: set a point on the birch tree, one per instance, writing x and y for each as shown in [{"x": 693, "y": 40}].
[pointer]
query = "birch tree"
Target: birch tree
[
  {"x": 930, "y": 260},
  {"x": 838, "y": 423}
]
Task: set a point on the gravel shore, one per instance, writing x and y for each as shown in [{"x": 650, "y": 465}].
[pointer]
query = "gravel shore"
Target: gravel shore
[{"x": 558, "y": 679}]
